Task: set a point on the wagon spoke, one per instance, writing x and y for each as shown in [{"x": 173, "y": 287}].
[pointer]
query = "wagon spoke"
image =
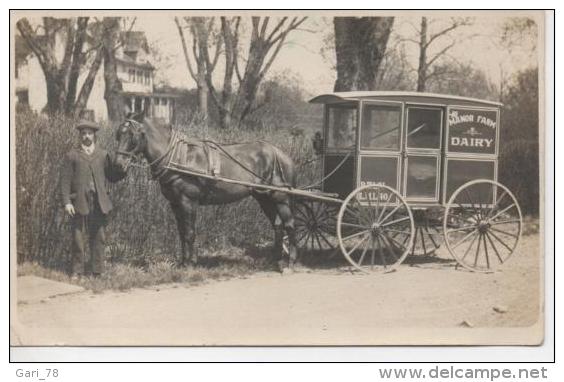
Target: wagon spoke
[
  {"x": 471, "y": 201},
  {"x": 431, "y": 237},
  {"x": 461, "y": 229},
  {"x": 327, "y": 241},
  {"x": 494, "y": 247},
  {"x": 355, "y": 234},
  {"x": 301, "y": 212},
  {"x": 504, "y": 232},
  {"x": 500, "y": 241},
  {"x": 381, "y": 252},
  {"x": 486, "y": 251},
  {"x": 497, "y": 203},
  {"x": 468, "y": 249},
  {"x": 505, "y": 222},
  {"x": 318, "y": 241},
  {"x": 354, "y": 248},
  {"x": 393, "y": 241},
  {"x": 391, "y": 246},
  {"x": 366, "y": 246},
  {"x": 414, "y": 241},
  {"x": 373, "y": 253},
  {"x": 423, "y": 242},
  {"x": 391, "y": 213},
  {"x": 396, "y": 230},
  {"x": 304, "y": 235},
  {"x": 502, "y": 211},
  {"x": 355, "y": 225},
  {"x": 477, "y": 251},
  {"x": 384, "y": 208},
  {"x": 464, "y": 238},
  {"x": 395, "y": 221}
]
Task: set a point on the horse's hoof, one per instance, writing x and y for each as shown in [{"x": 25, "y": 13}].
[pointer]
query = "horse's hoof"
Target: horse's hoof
[{"x": 287, "y": 271}]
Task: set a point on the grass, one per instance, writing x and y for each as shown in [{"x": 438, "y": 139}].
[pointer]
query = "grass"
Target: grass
[{"x": 220, "y": 265}]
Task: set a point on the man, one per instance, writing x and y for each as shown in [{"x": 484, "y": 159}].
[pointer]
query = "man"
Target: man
[{"x": 85, "y": 198}]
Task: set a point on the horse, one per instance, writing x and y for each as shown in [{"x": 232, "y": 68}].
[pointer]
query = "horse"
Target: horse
[{"x": 253, "y": 163}]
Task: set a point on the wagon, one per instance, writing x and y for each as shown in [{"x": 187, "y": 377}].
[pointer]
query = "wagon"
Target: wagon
[{"x": 404, "y": 173}]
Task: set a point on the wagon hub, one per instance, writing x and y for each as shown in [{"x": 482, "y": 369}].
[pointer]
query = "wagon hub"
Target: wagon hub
[
  {"x": 483, "y": 226},
  {"x": 376, "y": 228}
]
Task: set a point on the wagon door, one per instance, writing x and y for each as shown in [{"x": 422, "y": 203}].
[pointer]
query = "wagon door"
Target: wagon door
[
  {"x": 380, "y": 143},
  {"x": 341, "y": 124},
  {"x": 423, "y": 140}
]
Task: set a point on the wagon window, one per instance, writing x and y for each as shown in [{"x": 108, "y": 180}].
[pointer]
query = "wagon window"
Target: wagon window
[
  {"x": 380, "y": 127},
  {"x": 424, "y": 128},
  {"x": 341, "y": 121}
]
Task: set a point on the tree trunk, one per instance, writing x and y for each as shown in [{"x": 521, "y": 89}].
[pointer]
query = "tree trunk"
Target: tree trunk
[
  {"x": 113, "y": 89},
  {"x": 84, "y": 95},
  {"x": 360, "y": 45},
  {"x": 422, "y": 68},
  {"x": 77, "y": 58}
]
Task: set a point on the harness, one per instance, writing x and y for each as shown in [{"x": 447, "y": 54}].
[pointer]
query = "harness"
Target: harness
[{"x": 209, "y": 147}]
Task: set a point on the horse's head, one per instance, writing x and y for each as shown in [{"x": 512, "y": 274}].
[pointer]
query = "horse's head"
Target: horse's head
[{"x": 130, "y": 136}]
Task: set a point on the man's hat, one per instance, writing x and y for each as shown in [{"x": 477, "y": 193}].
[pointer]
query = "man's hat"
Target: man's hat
[{"x": 84, "y": 124}]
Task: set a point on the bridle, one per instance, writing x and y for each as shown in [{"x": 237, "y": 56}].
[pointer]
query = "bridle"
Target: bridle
[{"x": 133, "y": 155}]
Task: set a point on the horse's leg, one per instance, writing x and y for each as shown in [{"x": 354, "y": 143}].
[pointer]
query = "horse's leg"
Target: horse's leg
[
  {"x": 189, "y": 209},
  {"x": 185, "y": 213},
  {"x": 268, "y": 206},
  {"x": 178, "y": 214},
  {"x": 287, "y": 217}
]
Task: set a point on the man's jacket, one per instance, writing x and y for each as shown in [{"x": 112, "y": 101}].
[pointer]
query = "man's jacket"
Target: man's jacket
[{"x": 78, "y": 171}]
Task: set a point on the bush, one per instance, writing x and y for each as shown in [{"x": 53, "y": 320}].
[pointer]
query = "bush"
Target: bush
[
  {"x": 519, "y": 171},
  {"x": 142, "y": 230}
]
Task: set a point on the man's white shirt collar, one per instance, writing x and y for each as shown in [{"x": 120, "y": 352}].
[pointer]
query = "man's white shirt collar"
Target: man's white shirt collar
[{"x": 88, "y": 149}]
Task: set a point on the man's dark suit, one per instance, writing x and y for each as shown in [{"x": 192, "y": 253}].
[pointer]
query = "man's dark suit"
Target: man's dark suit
[{"x": 83, "y": 184}]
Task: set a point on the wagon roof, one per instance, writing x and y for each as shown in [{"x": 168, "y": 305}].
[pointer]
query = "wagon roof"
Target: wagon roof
[{"x": 398, "y": 95}]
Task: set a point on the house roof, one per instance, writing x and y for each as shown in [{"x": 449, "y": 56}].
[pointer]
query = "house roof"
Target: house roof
[
  {"x": 338, "y": 97},
  {"x": 134, "y": 41}
]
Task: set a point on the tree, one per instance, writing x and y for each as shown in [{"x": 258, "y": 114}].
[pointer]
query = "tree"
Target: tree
[
  {"x": 201, "y": 29},
  {"x": 461, "y": 80},
  {"x": 113, "y": 85},
  {"x": 427, "y": 39},
  {"x": 519, "y": 154},
  {"x": 61, "y": 76},
  {"x": 235, "y": 105},
  {"x": 360, "y": 45}
]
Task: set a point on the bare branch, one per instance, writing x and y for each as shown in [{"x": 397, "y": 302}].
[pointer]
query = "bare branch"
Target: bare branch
[
  {"x": 293, "y": 25},
  {"x": 185, "y": 49},
  {"x": 276, "y": 28},
  {"x": 455, "y": 24},
  {"x": 31, "y": 39},
  {"x": 263, "y": 28},
  {"x": 439, "y": 54}
]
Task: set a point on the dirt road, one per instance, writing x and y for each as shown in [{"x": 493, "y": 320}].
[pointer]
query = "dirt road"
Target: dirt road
[{"x": 431, "y": 303}]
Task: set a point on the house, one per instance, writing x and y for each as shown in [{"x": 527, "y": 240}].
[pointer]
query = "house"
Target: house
[{"x": 134, "y": 69}]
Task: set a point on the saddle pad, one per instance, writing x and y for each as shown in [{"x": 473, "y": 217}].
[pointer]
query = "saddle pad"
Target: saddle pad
[{"x": 195, "y": 156}]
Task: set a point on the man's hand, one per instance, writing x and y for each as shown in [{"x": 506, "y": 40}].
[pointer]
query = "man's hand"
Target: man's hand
[{"x": 69, "y": 208}]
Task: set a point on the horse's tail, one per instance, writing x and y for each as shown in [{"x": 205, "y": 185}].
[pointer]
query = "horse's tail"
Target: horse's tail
[{"x": 284, "y": 168}]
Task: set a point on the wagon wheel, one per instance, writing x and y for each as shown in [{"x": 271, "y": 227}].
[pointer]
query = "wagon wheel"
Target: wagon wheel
[
  {"x": 428, "y": 235},
  {"x": 375, "y": 228},
  {"x": 315, "y": 225},
  {"x": 481, "y": 233}
]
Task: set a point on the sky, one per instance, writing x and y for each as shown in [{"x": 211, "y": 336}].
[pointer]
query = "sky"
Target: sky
[{"x": 301, "y": 53}]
